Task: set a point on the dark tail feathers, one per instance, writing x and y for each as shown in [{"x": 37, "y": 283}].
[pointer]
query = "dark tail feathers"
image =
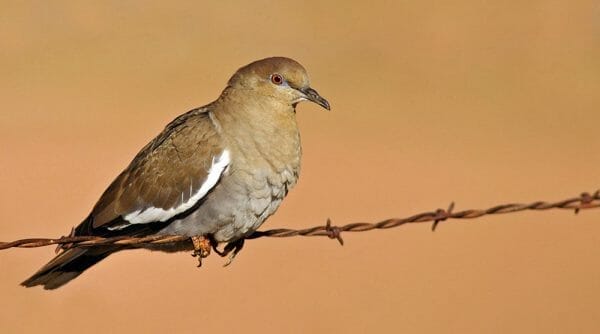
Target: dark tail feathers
[{"x": 67, "y": 266}]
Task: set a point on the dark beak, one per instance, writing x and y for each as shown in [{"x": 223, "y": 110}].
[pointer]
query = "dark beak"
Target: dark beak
[{"x": 313, "y": 96}]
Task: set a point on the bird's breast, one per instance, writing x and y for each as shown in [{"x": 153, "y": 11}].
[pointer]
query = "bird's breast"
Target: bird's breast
[
  {"x": 267, "y": 146},
  {"x": 268, "y": 159},
  {"x": 265, "y": 155}
]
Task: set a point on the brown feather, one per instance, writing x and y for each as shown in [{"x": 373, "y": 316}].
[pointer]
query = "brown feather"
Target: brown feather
[{"x": 159, "y": 176}]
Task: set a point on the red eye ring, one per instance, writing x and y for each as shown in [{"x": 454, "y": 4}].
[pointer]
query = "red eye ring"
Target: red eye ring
[{"x": 276, "y": 79}]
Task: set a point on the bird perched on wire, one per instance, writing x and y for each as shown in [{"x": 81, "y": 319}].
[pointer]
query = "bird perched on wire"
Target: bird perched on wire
[{"x": 214, "y": 174}]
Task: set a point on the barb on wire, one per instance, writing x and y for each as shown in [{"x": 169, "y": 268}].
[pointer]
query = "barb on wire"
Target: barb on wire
[{"x": 584, "y": 201}]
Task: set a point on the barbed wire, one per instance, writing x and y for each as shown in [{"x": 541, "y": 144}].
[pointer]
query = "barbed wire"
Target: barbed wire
[{"x": 582, "y": 202}]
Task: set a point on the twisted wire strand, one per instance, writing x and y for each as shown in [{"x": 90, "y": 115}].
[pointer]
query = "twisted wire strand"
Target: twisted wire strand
[{"x": 582, "y": 202}]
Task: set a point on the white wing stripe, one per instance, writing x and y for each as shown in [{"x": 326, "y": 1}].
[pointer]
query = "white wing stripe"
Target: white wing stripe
[{"x": 152, "y": 214}]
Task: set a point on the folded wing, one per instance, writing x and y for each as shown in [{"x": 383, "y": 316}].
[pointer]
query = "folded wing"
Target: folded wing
[{"x": 170, "y": 176}]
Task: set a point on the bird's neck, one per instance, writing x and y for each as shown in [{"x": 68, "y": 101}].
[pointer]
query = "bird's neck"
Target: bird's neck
[
  {"x": 259, "y": 123},
  {"x": 244, "y": 107}
]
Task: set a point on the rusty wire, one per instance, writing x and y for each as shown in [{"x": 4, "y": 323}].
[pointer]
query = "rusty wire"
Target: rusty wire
[{"x": 584, "y": 201}]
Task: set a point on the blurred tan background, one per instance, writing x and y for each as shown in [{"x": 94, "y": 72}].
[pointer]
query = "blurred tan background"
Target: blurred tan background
[{"x": 473, "y": 101}]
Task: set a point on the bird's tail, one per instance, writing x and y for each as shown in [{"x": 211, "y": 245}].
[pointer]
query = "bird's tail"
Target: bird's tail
[{"x": 67, "y": 266}]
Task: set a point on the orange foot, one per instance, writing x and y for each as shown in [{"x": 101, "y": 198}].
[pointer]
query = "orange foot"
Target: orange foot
[{"x": 202, "y": 247}]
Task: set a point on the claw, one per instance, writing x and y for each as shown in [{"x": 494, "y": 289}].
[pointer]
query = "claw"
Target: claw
[
  {"x": 202, "y": 246},
  {"x": 231, "y": 250}
]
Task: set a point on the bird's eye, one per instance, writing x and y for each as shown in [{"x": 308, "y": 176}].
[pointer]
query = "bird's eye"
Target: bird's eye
[{"x": 276, "y": 79}]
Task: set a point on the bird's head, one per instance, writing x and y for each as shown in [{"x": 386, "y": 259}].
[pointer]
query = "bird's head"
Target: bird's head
[{"x": 278, "y": 77}]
